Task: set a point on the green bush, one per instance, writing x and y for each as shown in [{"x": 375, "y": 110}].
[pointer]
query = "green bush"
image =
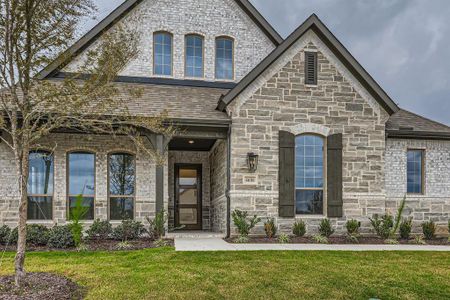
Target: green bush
[
  {"x": 299, "y": 228},
  {"x": 284, "y": 238},
  {"x": 325, "y": 228},
  {"x": 14, "y": 236},
  {"x": 429, "y": 230},
  {"x": 242, "y": 239},
  {"x": 128, "y": 230},
  {"x": 320, "y": 239},
  {"x": 37, "y": 235},
  {"x": 353, "y": 227},
  {"x": 157, "y": 227},
  {"x": 60, "y": 237},
  {"x": 270, "y": 228},
  {"x": 242, "y": 223},
  {"x": 99, "y": 230},
  {"x": 405, "y": 228},
  {"x": 5, "y": 231},
  {"x": 383, "y": 225}
]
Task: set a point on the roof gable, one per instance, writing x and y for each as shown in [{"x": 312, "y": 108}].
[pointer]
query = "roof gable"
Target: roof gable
[
  {"x": 123, "y": 10},
  {"x": 313, "y": 23}
]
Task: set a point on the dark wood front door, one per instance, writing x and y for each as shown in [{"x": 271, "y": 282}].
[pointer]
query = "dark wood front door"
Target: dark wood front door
[{"x": 188, "y": 196}]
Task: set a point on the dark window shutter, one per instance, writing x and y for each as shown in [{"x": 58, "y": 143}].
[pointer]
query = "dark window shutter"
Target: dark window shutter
[
  {"x": 334, "y": 171},
  {"x": 310, "y": 67},
  {"x": 286, "y": 174}
]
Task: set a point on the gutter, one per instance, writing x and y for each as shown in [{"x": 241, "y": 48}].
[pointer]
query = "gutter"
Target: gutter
[{"x": 227, "y": 192}]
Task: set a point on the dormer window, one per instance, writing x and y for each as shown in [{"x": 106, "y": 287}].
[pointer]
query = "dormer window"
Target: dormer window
[
  {"x": 224, "y": 58},
  {"x": 194, "y": 56},
  {"x": 162, "y": 53}
]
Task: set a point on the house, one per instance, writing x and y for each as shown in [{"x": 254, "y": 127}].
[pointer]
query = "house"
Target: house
[{"x": 289, "y": 128}]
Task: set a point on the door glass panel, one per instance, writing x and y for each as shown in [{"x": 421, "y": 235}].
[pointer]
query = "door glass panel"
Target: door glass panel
[
  {"x": 188, "y": 216},
  {"x": 188, "y": 196},
  {"x": 188, "y": 177}
]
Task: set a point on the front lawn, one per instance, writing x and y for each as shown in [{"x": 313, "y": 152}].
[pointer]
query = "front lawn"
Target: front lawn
[{"x": 166, "y": 274}]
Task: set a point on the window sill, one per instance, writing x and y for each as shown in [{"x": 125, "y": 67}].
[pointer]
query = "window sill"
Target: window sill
[
  {"x": 311, "y": 85},
  {"x": 310, "y": 216},
  {"x": 40, "y": 222}
]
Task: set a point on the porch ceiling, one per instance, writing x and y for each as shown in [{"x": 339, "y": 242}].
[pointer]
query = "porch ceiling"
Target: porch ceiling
[{"x": 186, "y": 144}]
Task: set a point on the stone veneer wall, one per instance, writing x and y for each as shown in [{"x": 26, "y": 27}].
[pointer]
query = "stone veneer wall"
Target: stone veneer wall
[
  {"x": 190, "y": 157},
  {"x": 209, "y": 18},
  {"x": 434, "y": 204},
  {"x": 101, "y": 146},
  {"x": 279, "y": 100},
  {"x": 218, "y": 163}
]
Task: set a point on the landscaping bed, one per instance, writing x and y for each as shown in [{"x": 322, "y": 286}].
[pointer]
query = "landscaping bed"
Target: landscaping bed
[
  {"x": 337, "y": 240},
  {"x": 39, "y": 286}
]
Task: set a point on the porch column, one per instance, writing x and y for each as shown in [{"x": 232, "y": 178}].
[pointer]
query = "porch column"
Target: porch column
[{"x": 159, "y": 175}]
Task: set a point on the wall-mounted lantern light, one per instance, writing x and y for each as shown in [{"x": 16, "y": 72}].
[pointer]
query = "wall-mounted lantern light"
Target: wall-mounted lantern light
[{"x": 252, "y": 161}]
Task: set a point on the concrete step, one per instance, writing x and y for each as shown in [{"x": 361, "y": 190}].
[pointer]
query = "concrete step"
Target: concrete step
[{"x": 195, "y": 235}]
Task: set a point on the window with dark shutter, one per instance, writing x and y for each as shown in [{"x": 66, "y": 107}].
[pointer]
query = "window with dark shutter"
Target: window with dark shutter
[
  {"x": 286, "y": 175},
  {"x": 311, "y": 68},
  {"x": 334, "y": 175}
]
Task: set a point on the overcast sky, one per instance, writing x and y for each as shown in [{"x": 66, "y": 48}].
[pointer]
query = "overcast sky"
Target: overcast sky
[{"x": 403, "y": 44}]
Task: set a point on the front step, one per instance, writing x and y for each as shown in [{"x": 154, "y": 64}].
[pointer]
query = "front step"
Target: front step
[{"x": 195, "y": 235}]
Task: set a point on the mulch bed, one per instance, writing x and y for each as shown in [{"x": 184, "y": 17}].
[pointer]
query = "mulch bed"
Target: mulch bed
[
  {"x": 338, "y": 240},
  {"x": 38, "y": 286},
  {"x": 97, "y": 245}
]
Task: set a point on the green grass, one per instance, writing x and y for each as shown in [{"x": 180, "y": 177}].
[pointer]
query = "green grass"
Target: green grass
[{"x": 166, "y": 274}]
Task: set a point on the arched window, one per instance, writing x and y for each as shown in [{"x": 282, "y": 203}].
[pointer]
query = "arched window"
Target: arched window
[
  {"x": 224, "y": 58},
  {"x": 121, "y": 182},
  {"x": 81, "y": 182},
  {"x": 40, "y": 186},
  {"x": 162, "y": 53},
  {"x": 194, "y": 56},
  {"x": 309, "y": 174}
]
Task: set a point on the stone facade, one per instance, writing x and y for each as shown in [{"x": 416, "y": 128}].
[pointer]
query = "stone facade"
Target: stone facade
[
  {"x": 208, "y": 18},
  {"x": 280, "y": 100},
  {"x": 101, "y": 146},
  {"x": 434, "y": 203},
  {"x": 218, "y": 166}
]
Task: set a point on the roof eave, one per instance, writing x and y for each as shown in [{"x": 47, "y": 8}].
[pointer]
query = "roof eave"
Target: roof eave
[{"x": 413, "y": 134}]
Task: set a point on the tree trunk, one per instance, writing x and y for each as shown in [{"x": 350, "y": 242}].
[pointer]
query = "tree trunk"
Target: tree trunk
[{"x": 22, "y": 166}]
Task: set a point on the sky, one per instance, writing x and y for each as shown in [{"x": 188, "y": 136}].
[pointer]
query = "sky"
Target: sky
[{"x": 403, "y": 44}]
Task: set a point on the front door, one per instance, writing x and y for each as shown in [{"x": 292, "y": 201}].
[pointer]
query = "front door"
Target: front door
[{"x": 188, "y": 196}]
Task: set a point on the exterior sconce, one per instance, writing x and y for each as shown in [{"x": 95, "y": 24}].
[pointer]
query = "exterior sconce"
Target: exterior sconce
[{"x": 252, "y": 162}]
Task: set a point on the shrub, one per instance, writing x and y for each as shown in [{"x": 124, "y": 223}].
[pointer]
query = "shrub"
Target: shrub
[
  {"x": 160, "y": 243},
  {"x": 242, "y": 239},
  {"x": 353, "y": 227},
  {"x": 99, "y": 230},
  {"x": 270, "y": 228},
  {"x": 383, "y": 225},
  {"x": 157, "y": 227},
  {"x": 13, "y": 236},
  {"x": 60, "y": 237},
  {"x": 242, "y": 223},
  {"x": 77, "y": 213},
  {"x": 418, "y": 240},
  {"x": 325, "y": 228},
  {"x": 391, "y": 242},
  {"x": 284, "y": 238},
  {"x": 353, "y": 239},
  {"x": 128, "y": 230},
  {"x": 405, "y": 228},
  {"x": 37, "y": 235},
  {"x": 299, "y": 228},
  {"x": 5, "y": 231},
  {"x": 429, "y": 230},
  {"x": 320, "y": 239}
]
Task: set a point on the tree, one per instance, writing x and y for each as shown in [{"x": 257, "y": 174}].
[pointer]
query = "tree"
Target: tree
[{"x": 32, "y": 34}]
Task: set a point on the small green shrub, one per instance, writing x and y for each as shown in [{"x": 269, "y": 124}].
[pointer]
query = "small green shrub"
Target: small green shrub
[
  {"x": 284, "y": 238},
  {"x": 243, "y": 223},
  {"x": 101, "y": 230},
  {"x": 37, "y": 235},
  {"x": 429, "y": 230},
  {"x": 161, "y": 243},
  {"x": 299, "y": 228},
  {"x": 157, "y": 227},
  {"x": 77, "y": 213},
  {"x": 5, "y": 232},
  {"x": 418, "y": 240},
  {"x": 270, "y": 228},
  {"x": 383, "y": 225},
  {"x": 405, "y": 228},
  {"x": 325, "y": 228},
  {"x": 320, "y": 239},
  {"x": 124, "y": 245},
  {"x": 128, "y": 230},
  {"x": 353, "y": 227},
  {"x": 60, "y": 237},
  {"x": 241, "y": 239},
  {"x": 13, "y": 236}
]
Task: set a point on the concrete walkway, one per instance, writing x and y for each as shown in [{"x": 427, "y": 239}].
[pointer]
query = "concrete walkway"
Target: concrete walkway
[{"x": 217, "y": 244}]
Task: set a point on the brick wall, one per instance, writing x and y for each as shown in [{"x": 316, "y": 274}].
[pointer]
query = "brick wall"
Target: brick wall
[{"x": 209, "y": 18}]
